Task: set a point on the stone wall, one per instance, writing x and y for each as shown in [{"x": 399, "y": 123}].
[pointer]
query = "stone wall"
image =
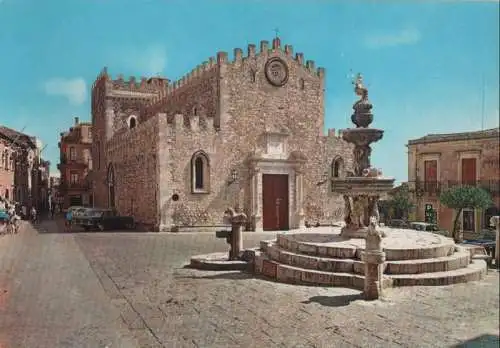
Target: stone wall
[
  {"x": 133, "y": 157},
  {"x": 178, "y": 142}
]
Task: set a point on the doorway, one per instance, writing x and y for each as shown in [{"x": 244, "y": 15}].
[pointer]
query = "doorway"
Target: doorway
[{"x": 275, "y": 204}]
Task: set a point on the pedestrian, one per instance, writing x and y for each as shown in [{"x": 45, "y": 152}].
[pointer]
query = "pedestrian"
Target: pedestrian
[
  {"x": 52, "y": 210},
  {"x": 24, "y": 212},
  {"x": 33, "y": 214},
  {"x": 68, "y": 220}
]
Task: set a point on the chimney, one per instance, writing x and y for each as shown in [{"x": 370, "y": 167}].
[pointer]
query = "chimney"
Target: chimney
[{"x": 77, "y": 121}]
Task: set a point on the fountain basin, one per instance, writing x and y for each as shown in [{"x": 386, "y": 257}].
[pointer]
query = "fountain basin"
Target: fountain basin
[
  {"x": 359, "y": 185},
  {"x": 362, "y": 136}
]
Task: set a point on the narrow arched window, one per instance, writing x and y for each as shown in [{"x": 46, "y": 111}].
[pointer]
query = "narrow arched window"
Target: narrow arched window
[
  {"x": 200, "y": 172},
  {"x": 338, "y": 167},
  {"x": 302, "y": 84},
  {"x": 132, "y": 122},
  {"x": 198, "y": 169}
]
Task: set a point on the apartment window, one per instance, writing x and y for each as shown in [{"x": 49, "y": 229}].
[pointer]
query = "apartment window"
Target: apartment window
[
  {"x": 430, "y": 176},
  {"x": 72, "y": 154},
  {"x": 469, "y": 167},
  {"x": 73, "y": 178},
  {"x": 468, "y": 220}
]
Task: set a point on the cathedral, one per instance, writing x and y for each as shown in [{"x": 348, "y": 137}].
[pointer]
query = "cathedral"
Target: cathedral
[{"x": 245, "y": 132}]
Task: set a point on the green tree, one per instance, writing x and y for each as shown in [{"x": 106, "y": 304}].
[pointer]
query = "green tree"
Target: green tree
[
  {"x": 464, "y": 197},
  {"x": 400, "y": 202}
]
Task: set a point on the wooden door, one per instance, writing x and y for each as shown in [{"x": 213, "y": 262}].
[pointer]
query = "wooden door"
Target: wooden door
[
  {"x": 275, "y": 202},
  {"x": 469, "y": 171}
]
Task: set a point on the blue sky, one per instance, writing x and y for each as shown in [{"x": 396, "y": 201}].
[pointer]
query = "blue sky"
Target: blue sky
[{"x": 424, "y": 62}]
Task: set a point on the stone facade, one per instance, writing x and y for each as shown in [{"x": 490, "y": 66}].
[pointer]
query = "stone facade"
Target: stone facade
[
  {"x": 75, "y": 148},
  {"x": 449, "y": 152},
  {"x": 177, "y": 155},
  {"x": 23, "y": 173}
]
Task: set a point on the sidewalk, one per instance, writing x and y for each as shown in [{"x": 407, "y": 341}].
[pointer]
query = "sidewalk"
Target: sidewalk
[{"x": 50, "y": 296}]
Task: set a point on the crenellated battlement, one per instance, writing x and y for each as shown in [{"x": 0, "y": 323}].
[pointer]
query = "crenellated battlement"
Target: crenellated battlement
[
  {"x": 190, "y": 125},
  {"x": 165, "y": 90},
  {"x": 334, "y": 133},
  {"x": 143, "y": 84},
  {"x": 265, "y": 49}
]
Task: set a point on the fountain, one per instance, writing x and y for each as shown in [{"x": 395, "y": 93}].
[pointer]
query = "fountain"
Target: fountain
[{"x": 363, "y": 186}]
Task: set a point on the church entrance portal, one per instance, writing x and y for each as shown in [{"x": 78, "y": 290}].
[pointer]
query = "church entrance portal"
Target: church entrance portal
[{"x": 275, "y": 204}]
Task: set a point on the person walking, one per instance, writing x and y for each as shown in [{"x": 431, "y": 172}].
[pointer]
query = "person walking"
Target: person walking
[
  {"x": 68, "y": 220},
  {"x": 33, "y": 215}
]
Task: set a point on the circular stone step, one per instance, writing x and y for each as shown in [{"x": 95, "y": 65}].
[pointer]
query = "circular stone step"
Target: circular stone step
[
  {"x": 474, "y": 271},
  {"x": 296, "y": 275},
  {"x": 399, "y": 244},
  {"x": 327, "y": 264},
  {"x": 459, "y": 259}
]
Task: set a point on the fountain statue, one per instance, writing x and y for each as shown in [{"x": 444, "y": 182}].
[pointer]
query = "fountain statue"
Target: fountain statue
[{"x": 363, "y": 186}]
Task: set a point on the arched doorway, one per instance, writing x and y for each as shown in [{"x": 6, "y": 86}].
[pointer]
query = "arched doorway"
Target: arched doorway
[{"x": 111, "y": 187}]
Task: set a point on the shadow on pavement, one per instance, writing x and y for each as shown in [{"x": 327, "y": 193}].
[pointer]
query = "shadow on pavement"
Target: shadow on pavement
[
  {"x": 334, "y": 301},
  {"x": 57, "y": 225},
  {"x": 483, "y": 341},
  {"x": 236, "y": 275}
]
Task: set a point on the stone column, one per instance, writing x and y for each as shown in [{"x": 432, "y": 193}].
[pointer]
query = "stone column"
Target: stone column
[
  {"x": 299, "y": 180},
  {"x": 495, "y": 221},
  {"x": 374, "y": 259},
  {"x": 258, "y": 201}
]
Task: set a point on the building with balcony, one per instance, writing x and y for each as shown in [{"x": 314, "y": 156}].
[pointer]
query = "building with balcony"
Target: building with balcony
[
  {"x": 437, "y": 162},
  {"x": 23, "y": 172},
  {"x": 75, "y": 164}
]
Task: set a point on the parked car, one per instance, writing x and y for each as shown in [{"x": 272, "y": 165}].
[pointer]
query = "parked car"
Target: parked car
[
  {"x": 427, "y": 227},
  {"x": 77, "y": 210},
  {"x": 397, "y": 223},
  {"x": 103, "y": 219}
]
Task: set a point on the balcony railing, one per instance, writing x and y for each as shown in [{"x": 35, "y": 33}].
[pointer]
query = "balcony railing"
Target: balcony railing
[
  {"x": 434, "y": 188},
  {"x": 74, "y": 186}
]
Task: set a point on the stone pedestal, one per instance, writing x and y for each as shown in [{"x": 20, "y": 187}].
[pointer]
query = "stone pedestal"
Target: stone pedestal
[
  {"x": 374, "y": 273},
  {"x": 374, "y": 259},
  {"x": 237, "y": 221},
  {"x": 495, "y": 222}
]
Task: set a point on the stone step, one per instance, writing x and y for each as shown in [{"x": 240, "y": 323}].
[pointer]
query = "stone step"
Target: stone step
[
  {"x": 353, "y": 250},
  {"x": 460, "y": 259},
  {"x": 476, "y": 270},
  {"x": 327, "y": 264},
  {"x": 297, "y": 275}
]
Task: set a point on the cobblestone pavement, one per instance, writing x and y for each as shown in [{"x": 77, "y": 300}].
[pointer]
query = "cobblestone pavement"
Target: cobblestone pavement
[{"x": 166, "y": 305}]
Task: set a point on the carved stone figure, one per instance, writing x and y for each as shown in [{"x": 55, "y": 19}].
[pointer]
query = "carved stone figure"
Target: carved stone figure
[
  {"x": 361, "y": 159},
  {"x": 358, "y": 212},
  {"x": 347, "y": 210},
  {"x": 374, "y": 236}
]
